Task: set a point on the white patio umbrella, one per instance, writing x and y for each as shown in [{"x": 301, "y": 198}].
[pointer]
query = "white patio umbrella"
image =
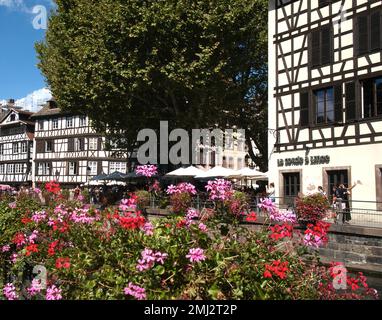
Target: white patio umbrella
[
  {"x": 116, "y": 183},
  {"x": 248, "y": 173},
  {"x": 190, "y": 171},
  {"x": 178, "y": 172},
  {"x": 93, "y": 183},
  {"x": 216, "y": 172}
]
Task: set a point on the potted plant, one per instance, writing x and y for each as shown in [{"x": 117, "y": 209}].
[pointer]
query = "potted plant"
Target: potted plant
[{"x": 311, "y": 208}]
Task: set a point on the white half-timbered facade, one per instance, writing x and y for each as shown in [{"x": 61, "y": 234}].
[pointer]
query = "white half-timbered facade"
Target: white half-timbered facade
[
  {"x": 68, "y": 150},
  {"x": 325, "y": 97},
  {"x": 16, "y": 146}
]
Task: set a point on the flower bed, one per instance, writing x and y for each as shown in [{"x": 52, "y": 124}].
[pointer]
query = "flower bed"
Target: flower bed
[{"x": 118, "y": 254}]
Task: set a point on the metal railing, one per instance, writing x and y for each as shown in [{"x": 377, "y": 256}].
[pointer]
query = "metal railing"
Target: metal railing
[{"x": 361, "y": 213}]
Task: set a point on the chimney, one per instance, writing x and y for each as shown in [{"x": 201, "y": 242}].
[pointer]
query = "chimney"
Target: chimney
[
  {"x": 52, "y": 104},
  {"x": 11, "y": 103}
]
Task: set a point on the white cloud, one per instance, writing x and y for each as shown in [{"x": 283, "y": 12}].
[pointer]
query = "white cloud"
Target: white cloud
[
  {"x": 12, "y": 3},
  {"x": 21, "y": 5},
  {"x": 33, "y": 101}
]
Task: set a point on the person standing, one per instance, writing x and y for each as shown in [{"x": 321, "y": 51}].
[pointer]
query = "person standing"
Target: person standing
[
  {"x": 271, "y": 192},
  {"x": 321, "y": 191},
  {"x": 346, "y": 192}
]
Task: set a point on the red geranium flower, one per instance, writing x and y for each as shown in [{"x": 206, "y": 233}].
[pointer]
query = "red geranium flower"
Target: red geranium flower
[
  {"x": 53, "y": 187},
  {"x": 132, "y": 221},
  {"x": 181, "y": 223},
  {"x": 281, "y": 232},
  {"x": 52, "y": 247},
  {"x": 30, "y": 249},
  {"x": 26, "y": 220},
  {"x": 63, "y": 263},
  {"x": 277, "y": 268},
  {"x": 252, "y": 217},
  {"x": 19, "y": 239}
]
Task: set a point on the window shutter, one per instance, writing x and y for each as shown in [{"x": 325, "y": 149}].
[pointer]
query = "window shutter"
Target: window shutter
[
  {"x": 338, "y": 103},
  {"x": 350, "y": 101},
  {"x": 315, "y": 48},
  {"x": 70, "y": 144},
  {"x": 40, "y": 146},
  {"x": 81, "y": 142},
  {"x": 375, "y": 31},
  {"x": 53, "y": 146},
  {"x": 363, "y": 35},
  {"x": 99, "y": 147},
  {"x": 304, "y": 112},
  {"x": 326, "y": 46}
]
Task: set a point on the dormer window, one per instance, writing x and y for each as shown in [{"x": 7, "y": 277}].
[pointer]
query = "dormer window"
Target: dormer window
[
  {"x": 12, "y": 117},
  {"x": 82, "y": 121},
  {"x": 55, "y": 123},
  {"x": 69, "y": 122}
]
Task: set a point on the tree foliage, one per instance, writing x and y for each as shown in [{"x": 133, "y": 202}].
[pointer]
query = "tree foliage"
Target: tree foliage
[{"x": 130, "y": 63}]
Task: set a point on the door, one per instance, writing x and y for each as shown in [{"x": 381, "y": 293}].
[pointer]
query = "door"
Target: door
[
  {"x": 292, "y": 184},
  {"x": 335, "y": 178}
]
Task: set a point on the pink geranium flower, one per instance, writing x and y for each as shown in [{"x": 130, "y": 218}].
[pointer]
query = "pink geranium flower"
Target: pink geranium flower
[
  {"x": 196, "y": 255},
  {"x": 53, "y": 293},
  {"x": 9, "y": 292},
  {"x": 135, "y": 291}
]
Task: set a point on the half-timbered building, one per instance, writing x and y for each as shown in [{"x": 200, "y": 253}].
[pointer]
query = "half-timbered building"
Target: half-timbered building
[
  {"x": 16, "y": 145},
  {"x": 68, "y": 150},
  {"x": 325, "y": 96}
]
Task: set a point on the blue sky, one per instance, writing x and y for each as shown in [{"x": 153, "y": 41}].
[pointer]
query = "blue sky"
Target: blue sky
[{"x": 19, "y": 74}]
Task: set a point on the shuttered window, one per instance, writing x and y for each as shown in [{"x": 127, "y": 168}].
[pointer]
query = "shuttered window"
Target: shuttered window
[
  {"x": 322, "y": 47},
  {"x": 375, "y": 31},
  {"x": 338, "y": 103},
  {"x": 372, "y": 98},
  {"x": 304, "y": 109},
  {"x": 70, "y": 144},
  {"x": 350, "y": 98},
  {"x": 369, "y": 33}
]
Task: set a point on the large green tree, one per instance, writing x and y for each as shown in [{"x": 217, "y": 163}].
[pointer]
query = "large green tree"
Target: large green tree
[{"x": 130, "y": 63}]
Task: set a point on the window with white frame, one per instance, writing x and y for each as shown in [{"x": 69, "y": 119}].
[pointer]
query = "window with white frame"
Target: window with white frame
[
  {"x": 117, "y": 166},
  {"x": 24, "y": 147},
  {"x": 48, "y": 146},
  {"x": 73, "y": 168},
  {"x": 93, "y": 143},
  {"x": 19, "y": 168},
  {"x": 231, "y": 163},
  {"x": 1, "y": 149},
  {"x": 69, "y": 122},
  {"x": 93, "y": 165},
  {"x": 55, "y": 124},
  {"x": 79, "y": 144},
  {"x": 2, "y": 168},
  {"x": 11, "y": 168},
  {"x": 82, "y": 121},
  {"x": 41, "y": 125},
  {"x": 43, "y": 169},
  {"x": 239, "y": 163},
  {"x": 15, "y": 148}
]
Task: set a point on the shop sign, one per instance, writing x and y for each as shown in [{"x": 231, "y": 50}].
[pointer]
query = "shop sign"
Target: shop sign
[{"x": 300, "y": 161}]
